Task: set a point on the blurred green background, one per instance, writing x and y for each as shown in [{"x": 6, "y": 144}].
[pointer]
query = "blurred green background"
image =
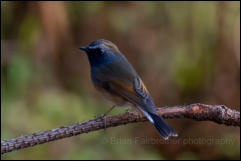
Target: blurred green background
[{"x": 185, "y": 52}]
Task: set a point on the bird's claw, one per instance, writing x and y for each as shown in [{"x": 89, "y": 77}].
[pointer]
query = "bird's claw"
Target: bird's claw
[
  {"x": 102, "y": 116},
  {"x": 127, "y": 111}
]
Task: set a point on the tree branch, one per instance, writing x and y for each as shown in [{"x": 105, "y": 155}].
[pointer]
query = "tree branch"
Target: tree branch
[{"x": 201, "y": 112}]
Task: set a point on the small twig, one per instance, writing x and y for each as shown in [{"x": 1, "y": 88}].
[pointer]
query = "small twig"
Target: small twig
[{"x": 201, "y": 112}]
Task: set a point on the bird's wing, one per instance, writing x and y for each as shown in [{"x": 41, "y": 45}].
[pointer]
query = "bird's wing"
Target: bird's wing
[
  {"x": 135, "y": 92},
  {"x": 121, "y": 79}
]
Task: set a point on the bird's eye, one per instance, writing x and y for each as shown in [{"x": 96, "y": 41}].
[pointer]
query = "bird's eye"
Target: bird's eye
[{"x": 99, "y": 50}]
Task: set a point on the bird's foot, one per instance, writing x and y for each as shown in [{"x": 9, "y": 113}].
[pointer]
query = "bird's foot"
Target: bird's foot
[
  {"x": 102, "y": 116},
  {"x": 128, "y": 110}
]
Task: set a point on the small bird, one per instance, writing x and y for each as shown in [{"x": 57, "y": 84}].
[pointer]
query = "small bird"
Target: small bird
[{"x": 114, "y": 76}]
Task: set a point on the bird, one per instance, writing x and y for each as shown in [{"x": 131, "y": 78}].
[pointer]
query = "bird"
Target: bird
[{"x": 113, "y": 76}]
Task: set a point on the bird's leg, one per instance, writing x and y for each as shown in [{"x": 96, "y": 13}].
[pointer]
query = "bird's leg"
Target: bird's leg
[
  {"x": 104, "y": 115},
  {"x": 128, "y": 110}
]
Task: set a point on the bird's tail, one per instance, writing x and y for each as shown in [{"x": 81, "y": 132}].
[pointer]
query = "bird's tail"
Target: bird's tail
[{"x": 161, "y": 125}]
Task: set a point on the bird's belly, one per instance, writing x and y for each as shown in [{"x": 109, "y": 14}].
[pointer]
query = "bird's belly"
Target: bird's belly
[{"x": 114, "y": 99}]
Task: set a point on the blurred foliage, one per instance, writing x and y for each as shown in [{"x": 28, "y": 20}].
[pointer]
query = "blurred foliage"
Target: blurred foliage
[{"x": 185, "y": 52}]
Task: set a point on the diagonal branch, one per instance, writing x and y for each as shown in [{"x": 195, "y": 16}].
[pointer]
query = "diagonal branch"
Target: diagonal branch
[{"x": 201, "y": 112}]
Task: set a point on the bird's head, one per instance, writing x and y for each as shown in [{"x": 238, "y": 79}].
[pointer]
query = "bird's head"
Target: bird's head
[{"x": 100, "y": 52}]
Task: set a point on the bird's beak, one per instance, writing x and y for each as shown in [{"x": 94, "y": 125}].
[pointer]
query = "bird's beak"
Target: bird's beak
[{"x": 83, "y": 48}]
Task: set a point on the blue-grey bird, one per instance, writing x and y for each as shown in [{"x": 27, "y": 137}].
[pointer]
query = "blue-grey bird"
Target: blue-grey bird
[{"x": 114, "y": 76}]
